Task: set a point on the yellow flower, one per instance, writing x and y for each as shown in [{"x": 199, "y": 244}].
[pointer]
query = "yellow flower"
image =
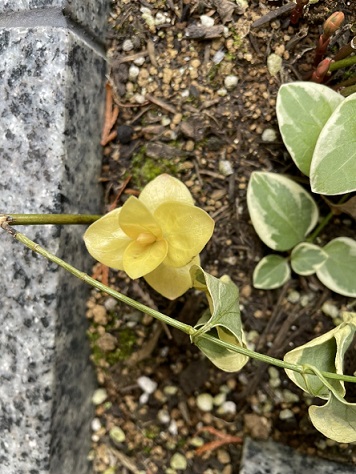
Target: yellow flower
[{"x": 157, "y": 236}]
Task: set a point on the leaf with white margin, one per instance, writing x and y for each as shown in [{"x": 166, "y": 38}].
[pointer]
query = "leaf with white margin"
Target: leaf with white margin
[
  {"x": 281, "y": 211},
  {"x": 333, "y": 167},
  {"x": 326, "y": 353},
  {"x": 222, "y": 320},
  {"x": 303, "y": 108},
  {"x": 336, "y": 419},
  {"x": 338, "y": 272},
  {"x": 271, "y": 272},
  {"x": 306, "y": 258}
]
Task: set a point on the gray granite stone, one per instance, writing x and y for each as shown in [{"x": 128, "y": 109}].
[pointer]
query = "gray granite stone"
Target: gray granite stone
[
  {"x": 91, "y": 14},
  {"x": 51, "y": 86},
  {"x": 268, "y": 457}
]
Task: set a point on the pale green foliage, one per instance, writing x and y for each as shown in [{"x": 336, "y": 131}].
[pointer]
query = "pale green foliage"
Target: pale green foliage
[
  {"x": 271, "y": 272},
  {"x": 281, "y": 211},
  {"x": 303, "y": 108},
  {"x": 337, "y": 418},
  {"x": 338, "y": 272},
  {"x": 306, "y": 258},
  {"x": 318, "y": 128},
  {"x": 333, "y": 167},
  {"x": 283, "y": 214},
  {"x": 161, "y": 232},
  {"x": 221, "y": 320}
]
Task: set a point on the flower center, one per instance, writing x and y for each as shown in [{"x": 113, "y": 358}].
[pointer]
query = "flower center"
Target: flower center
[{"x": 146, "y": 238}]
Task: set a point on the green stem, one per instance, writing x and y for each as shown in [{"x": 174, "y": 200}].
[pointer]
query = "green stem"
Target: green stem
[
  {"x": 346, "y": 91},
  {"x": 342, "y": 63},
  {"x": 56, "y": 219},
  {"x": 156, "y": 314},
  {"x": 325, "y": 221},
  {"x": 320, "y": 227},
  {"x": 272, "y": 361}
]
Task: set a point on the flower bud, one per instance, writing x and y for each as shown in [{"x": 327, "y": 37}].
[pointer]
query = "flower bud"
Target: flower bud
[
  {"x": 321, "y": 71},
  {"x": 332, "y": 24}
]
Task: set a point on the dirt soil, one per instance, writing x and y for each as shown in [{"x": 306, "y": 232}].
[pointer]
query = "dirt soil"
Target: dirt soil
[{"x": 197, "y": 100}]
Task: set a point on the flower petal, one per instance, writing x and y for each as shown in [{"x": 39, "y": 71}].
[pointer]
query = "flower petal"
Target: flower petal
[
  {"x": 142, "y": 259},
  {"x": 186, "y": 228},
  {"x": 136, "y": 219},
  {"x": 171, "y": 282},
  {"x": 105, "y": 241},
  {"x": 162, "y": 189}
]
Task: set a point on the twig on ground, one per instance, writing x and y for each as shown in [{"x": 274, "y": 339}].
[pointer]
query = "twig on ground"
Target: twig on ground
[{"x": 111, "y": 115}]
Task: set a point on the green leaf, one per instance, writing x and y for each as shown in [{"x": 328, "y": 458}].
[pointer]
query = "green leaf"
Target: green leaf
[
  {"x": 333, "y": 167},
  {"x": 306, "y": 258},
  {"x": 336, "y": 419},
  {"x": 222, "y": 320},
  {"x": 326, "y": 353},
  {"x": 338, "y": 272},
  {"x": 271, "y": 272},
  {"x": 303, "y": 108},
  {"x": 281, "y": 211}
]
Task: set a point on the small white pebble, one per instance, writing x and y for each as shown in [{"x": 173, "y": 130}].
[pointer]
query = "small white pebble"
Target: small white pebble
[
  {"x": 286, "y": 414},
  {"x": 197, "y": 441},
  {"x": 99, "y": 396},
  {"x": 225, "y": 167},
  {"x": 273, "y": 372},
  {"x": 242, "y": 5},
  {"x": 149, "y": 20},
  {"x": 222, "y": 92},
  {"x": 117, "y": 434},
  {"x": 95, "y": 424},
  {"x": 274, "y": 64},
  {"x": 178, "y": 462},
  {"x": 227, "y": 407},
  {"x": 205, "y": 401},
  {"x": 127, "y": 45},
  {"x": 207, "y": 21},
  {"x": 170, "y": 390},
  {"x": 163, "y": 417},
  {"x": 144, "y": 398},
  {"x": 134, "y": 71},
  {"x": 139, "y": 98},
  {"x": 269, "y": 135},
  {"x": 146, "y": 384},
  {"x": 293, "y": 297},
  {"x": 304, "y": 300},
  {"x": 218, "y": 56},
  {"x": 330, "y": 309},
  {"x": 165, "y": 121},
  {"x": 290, "y": 397},
  {"x": 161, "y": 19},
  {"x": 219, "y": 399},
  {"x": 230, "y": 82},
  {"x": 139, "y": 61},
  {"x": 173, "y": 428},
  {"x": 110, "y": 304}
]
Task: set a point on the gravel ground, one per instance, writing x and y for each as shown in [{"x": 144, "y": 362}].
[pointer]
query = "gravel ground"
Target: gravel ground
[{"x": 196, "y": 90}]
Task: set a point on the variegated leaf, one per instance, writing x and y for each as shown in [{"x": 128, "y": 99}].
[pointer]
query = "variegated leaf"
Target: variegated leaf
[
  {"x": 333, "y": 167},
  {"x": 281, "y": 211},
  {"x": 306, "y": 258},
  {"x": 303, "y": 108},
  {"x": 271, "y": 272}
]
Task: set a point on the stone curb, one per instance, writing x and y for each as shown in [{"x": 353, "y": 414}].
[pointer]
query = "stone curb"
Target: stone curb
[
  {"x": 268, "y": 457},
  {"x": 52, "y": 73}
]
